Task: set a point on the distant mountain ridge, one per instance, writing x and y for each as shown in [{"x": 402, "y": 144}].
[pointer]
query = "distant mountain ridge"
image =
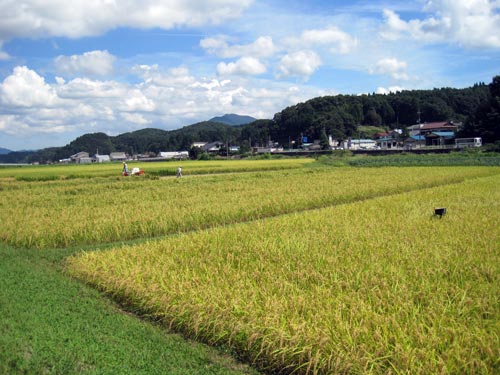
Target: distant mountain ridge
[
  {"x": 4, "y": 151},
  {"x": 233, "y": 119}
]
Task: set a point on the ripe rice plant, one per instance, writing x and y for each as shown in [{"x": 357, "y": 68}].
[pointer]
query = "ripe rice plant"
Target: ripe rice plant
[
  {"x": 375, "y": 286},
  {"x": 166, "y": 168},
  {"x": 45, "y": 214}
]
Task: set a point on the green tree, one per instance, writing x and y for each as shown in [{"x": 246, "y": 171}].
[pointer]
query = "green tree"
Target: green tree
[
  {"x": 323, "y": 140},
  {"x": 372, "y": 118},
  {"x": 245, "y": 147},
  {"x": 485, "y": 122}
]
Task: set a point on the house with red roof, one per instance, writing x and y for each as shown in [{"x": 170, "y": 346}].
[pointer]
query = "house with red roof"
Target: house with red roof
[
  {"x": 439, "y": 133},
  {"x": 430, "y": 127}
]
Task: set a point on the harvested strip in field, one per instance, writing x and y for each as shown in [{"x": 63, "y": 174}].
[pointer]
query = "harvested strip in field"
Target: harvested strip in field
[{"x": 379, "y": 286}]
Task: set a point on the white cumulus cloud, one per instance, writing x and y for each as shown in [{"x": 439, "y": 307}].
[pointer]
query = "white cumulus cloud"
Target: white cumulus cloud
[
  {"x": 336, "y": 40},
  {"x": 87, "y": 88},
  {"x": 299, "y": 64},
  {"x": 470, "y": 23},
  {"x": 391, "y": 66},
  {"x": 219, "y": 46},
  {"x": 135, "y": 118},
  {"x": 78, "y": 18},
  {"x": 25, "y": 88},
  {"x": 135, "y": 100},
  {"x": 93, "y": 63},
  {"x": 31, "y": 108},
  {"x": 391, "y": 89},
  {"x": 243, "y": 66}
]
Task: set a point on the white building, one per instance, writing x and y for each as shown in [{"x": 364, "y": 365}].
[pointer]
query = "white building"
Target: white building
[
  {"x": 360, "y": 144},
  {"x": 101, "y": 158},
  {"x": 199, "y": 144},
  {"x": 87, "y": 160},
  {"x": 174, "y": 154}
]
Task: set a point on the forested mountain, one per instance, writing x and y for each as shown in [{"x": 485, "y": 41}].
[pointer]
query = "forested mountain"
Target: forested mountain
[
  {"x": 4, "y": 151},
  {"x": 138, "y": 142},
  {"x": 233, "y": 119},
  {"x": 341, "y": 115},
  {"x": 476, "y": 108}
]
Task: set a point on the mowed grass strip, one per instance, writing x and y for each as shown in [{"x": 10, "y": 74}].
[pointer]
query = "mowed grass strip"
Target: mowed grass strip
[
  {"x": 380, "y": 286},
  {"x": 94, "y": 211}
]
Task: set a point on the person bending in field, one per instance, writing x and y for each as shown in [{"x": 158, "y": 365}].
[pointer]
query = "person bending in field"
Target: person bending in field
[{"x": 179, "y": 172}]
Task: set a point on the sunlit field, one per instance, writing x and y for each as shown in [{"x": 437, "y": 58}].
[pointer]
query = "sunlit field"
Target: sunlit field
[
  {"x": 85, "y": 211},
  {"x": 152, "y": 169},
  {"x": 293, "y": 266},
  {"x": 376, "y": 286}
]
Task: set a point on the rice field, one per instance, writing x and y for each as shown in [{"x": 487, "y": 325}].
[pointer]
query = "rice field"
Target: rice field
[
  {"x": 87, "y": 211},
  {"x": 378, "y": 286},
  {"x": 152, "y": 169},
  {"x": 297, "y": 270}
]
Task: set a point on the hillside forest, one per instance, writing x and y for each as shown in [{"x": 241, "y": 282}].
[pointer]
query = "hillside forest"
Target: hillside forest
[{"x": 476, "y": 109}]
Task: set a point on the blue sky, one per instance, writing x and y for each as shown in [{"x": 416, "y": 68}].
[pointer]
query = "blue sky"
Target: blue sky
[{"x": 71, "y": 68}]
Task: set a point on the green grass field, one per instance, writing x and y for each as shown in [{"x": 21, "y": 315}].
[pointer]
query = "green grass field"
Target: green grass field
[
  {"x": 53, "y": 324},
  {"x": 289, "y": 266}
]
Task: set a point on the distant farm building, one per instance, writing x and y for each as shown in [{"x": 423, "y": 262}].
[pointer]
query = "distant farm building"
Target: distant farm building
[
  {"x": 174, "y": 155},
  {"x": 213, "y": 147},
  {"x": 440, "y": 138},
  {"x": 360, "y": 144},
  {"x": 87, "y": 160},
  {"x": 388, "y": 140},
  {"x": 414, "y": 141},
  {"x": 80, "y": 157},
  {"x": 102, "y": 158},
  {"x": 430, "y": 127},
  {"x": 118, "y": 156}
]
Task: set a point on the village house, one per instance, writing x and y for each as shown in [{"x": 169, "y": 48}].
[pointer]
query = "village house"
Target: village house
[
  {"x": 440, "y": 133},
  {"x": 118, "y": 156},
  {"x": 440, "y": 139},
  {"x": 414, "y": 141},
  {"x": 388, "y": 140},
  {"x": 81, "y": 157},
  {"x": 430, "y": 127},
  {"x": 213, "y": 147}
]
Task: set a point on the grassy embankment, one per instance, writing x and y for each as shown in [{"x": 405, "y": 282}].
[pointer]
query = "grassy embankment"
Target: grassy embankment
[
  {"x": 52, "y": 324},
  {"x": 468, "y": 157}
]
